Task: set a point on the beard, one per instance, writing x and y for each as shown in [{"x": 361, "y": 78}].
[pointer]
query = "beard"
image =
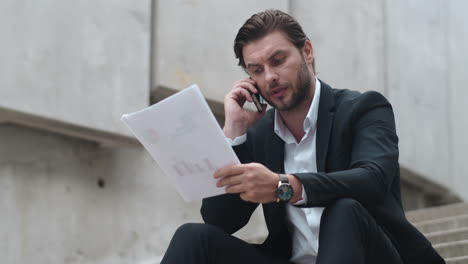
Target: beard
[{"x": 300, "y": 94}]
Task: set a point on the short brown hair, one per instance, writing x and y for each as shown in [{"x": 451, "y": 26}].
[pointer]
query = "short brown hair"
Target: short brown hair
[{"x": 263, "y": 23}]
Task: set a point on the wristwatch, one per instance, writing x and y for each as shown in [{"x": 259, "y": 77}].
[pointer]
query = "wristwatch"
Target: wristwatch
[{"x": 284, "y": 192}]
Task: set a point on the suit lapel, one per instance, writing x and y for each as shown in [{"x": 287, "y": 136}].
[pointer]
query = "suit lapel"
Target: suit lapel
[
  {"x": 274, "y": 151},
  {"x": 274, "y": 160},
  {"x": 326, "y": 114}
]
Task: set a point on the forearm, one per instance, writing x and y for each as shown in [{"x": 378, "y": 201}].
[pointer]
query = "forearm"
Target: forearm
[
  {"x": 227, "y": 211},
  {"x": 367, "y": 184}
]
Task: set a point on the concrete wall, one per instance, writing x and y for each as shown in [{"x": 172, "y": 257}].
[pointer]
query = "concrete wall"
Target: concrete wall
[
  {"x": 427, "y": 63},
  {"x": 194, "y": 42},
  {"x": 457, "y": 41},
  {"x": 64, "y": 200},
  {"x": 79, "y": 62},
  {"x": 347, "y": 37}
]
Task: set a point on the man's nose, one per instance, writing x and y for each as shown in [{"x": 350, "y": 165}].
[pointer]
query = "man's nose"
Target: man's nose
[{"x": 271, "y": 76}]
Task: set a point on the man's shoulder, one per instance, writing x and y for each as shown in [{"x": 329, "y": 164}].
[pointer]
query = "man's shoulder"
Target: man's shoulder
[{"x": 351, "y": 99}]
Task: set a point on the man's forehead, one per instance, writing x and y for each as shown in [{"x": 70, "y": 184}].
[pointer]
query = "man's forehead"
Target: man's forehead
[
  {"x": 256, "y": 62},
  {"x": 265, "y": 47}
]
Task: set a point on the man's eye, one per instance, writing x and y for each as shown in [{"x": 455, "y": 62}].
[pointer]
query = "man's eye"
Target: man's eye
[{"x": 277, "y": 61}]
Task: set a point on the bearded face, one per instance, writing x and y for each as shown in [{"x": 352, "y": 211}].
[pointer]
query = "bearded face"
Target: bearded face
[
  {"x": 282, "y": 72},
  {"x": 300, "y": 90}
]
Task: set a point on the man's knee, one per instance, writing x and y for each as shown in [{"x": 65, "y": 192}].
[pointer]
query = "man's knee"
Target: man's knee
[
  {"x": 345, "y": 207},
  {"x": 190, "y": 243},
  {"x": 194, "y": 231}
]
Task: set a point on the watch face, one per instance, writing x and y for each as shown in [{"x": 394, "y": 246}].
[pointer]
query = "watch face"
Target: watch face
[{"x": 284, "y": 192}]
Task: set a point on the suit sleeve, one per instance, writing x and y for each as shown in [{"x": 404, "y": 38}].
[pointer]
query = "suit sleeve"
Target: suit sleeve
[
  {"x": 373, "y": 158},
  {"x": 229, "y": 211}
]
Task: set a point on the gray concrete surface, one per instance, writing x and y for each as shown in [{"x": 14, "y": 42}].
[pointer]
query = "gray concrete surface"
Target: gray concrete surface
[
  {"x": 443, "y": 223},
  {"x": 433, "y": 213},
  {"x": 457, "y": 260},
  {"x": 452, "y": 249},
  {"x": 64, "y": 200},
  {"x": 456, "y": 234},
  {"x": 426, "y": 72},
  {"x": 457, "y": 81},
  {"x": 194, "y": 42},
  {"x": 348, "y": 41},
  {"x": 417, "y": 85},
  {"x": 446, "y": 228},
  {"x": 79, "y": 62}
]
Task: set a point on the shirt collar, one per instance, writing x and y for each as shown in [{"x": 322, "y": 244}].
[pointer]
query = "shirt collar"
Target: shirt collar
[{"x": 310, "y": 121}]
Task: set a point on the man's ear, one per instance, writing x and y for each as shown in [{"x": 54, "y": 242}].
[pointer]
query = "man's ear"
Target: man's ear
[{"x": 308, "y": 52}]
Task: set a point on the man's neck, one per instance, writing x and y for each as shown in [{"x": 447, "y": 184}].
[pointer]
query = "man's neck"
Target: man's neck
[{"x": 294, "y": 119}]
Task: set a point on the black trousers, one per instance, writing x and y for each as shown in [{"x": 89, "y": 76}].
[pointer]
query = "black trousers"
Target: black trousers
[{"x": 348, "y": 234}]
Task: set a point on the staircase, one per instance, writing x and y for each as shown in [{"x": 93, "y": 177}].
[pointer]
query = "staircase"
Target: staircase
[{"x": 447, "y": 229}]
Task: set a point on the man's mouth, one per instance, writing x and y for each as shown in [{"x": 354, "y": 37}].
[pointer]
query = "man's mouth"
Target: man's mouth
[{"x": 278, "y": 92}]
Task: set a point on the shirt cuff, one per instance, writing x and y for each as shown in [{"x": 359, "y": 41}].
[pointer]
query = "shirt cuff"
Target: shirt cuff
[
  {"x": 304, "y": 198},
  {"x": 237, "y": 141}
]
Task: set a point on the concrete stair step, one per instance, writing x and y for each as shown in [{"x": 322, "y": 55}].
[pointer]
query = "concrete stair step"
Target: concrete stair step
[
  {"x": 452, "y": 249},
  {"x": 457, "y": 260},
  {"x": 441, "y": 224},
  {"x": 448, "y": 235},
  {"x": 437, "y": 212}
]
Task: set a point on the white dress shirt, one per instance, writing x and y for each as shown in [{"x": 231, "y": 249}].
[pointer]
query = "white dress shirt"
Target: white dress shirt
[{"x": 304, "y": 223}]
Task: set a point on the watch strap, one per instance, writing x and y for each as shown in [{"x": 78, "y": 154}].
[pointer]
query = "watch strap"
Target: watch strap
[{"x": 283, "y": 178}]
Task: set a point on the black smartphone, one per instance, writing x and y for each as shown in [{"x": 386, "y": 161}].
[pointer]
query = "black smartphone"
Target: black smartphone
[{"x": 257, "y": 99}]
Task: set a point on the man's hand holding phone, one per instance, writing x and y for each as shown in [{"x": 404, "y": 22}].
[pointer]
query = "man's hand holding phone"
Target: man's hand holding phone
[{"x": 238, "y": 119}]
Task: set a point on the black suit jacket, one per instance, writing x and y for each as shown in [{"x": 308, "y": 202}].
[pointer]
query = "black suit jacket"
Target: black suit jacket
[{"x": 357, "y": 157}]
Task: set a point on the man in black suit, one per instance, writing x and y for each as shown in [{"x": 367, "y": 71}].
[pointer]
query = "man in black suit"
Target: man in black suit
[{"x": 323, "y": 163}]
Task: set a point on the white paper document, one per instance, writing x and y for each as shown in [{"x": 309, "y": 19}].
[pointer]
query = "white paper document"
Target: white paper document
[{"x": 184, "y": 138}]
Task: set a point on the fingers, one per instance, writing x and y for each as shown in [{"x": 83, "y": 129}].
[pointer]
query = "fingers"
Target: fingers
[
  {"x": 235, "y": 188},
  {"x": 240, "y": 93},
  {"x": 242, "y": 90},
  {"x": 247, "y": 84},
  {"x": 227, "y": 181},
  {"x": 253, "y": 181},
  {"x": 231, "y": 182},
  {"x": 230, "y": 176},
  {"x": 228, "y": 171}
]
